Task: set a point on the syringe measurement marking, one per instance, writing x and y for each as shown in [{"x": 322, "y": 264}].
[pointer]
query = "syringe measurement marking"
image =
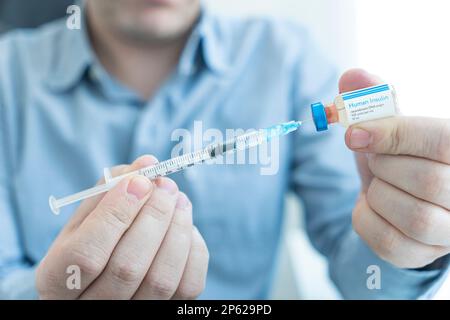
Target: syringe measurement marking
[{"x": 178, "y": 163}]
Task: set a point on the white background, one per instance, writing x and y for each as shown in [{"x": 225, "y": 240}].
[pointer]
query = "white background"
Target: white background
[{"x": 406, "y": 42}]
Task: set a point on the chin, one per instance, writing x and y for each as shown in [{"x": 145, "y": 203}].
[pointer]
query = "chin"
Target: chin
[
  {"x": 161, "y": 27},
  {"x": 157, "y": 23},
  {"x": 157, "y": 16},
  {"x": 161, "y": 21}
]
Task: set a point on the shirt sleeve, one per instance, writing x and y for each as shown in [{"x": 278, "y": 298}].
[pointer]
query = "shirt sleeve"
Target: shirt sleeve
[
  {"x": 325, "y": 178},
  {"x": 16, "y": 274}
]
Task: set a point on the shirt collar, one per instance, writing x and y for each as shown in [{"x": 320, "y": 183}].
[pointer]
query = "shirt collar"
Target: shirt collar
[
  {"x": 73, "y": 56},
  {"x": 204, "y": 46},
  {"x": 76, "y": 56}
]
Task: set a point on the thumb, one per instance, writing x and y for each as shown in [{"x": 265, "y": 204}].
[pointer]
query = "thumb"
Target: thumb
[
  {"x": 88, "y": 205},
  {"x": 355, "y": 79},
  {"x": 351, "y": 80}
]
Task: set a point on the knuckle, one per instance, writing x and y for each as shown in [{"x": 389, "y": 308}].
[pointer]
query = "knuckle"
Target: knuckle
[
  {"x": 183, "y": 222},
  {"x": 386, "y": 245},
  {"x": 159, "y": 207},
  {"x": 117, "y": 215},
  {"x": 89, "y": 262},
  {"x": 162, "y": 287},
  {"x": 422, "y": 226},
  {"x": 125, "y": 272},
  {"x": 431, "y": 182}
]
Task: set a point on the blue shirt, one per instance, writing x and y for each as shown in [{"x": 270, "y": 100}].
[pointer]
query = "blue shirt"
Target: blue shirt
[{"x": 64, "y": 119}]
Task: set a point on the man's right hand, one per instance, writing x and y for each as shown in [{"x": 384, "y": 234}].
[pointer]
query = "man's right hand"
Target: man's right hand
[{"x": 135, "y": 242}]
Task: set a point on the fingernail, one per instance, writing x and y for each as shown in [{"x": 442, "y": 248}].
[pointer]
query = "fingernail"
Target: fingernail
[
  {"x": 182, "y": 201},
  {"x": 360, "y": 138},
  {"x": 169, "y": 185},
  {"x": 139, "y": 186}
]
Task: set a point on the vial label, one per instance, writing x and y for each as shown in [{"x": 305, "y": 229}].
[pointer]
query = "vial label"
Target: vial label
[{"x": 370, "y": 104}]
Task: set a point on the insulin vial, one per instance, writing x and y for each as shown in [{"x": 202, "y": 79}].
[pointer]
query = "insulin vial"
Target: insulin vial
[{"x": 356, "y": 106}]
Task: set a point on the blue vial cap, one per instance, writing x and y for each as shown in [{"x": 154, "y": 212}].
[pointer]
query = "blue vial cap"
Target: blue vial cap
[{"x": 319, "y": 116}]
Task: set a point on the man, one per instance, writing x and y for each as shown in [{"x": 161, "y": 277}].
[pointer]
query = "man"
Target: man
[{"x": 74, "y": 102}]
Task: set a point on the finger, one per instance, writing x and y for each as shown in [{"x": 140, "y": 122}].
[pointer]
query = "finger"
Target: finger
[
  {"x": 365, "y": 174},
  {"x": 136, "y": 250},
  {"x": 164, "y": 275},
  {"x": 193, "y": 281},
  {"x": 389, "y": 243},
  {"x": 141, "y": 162},
  {"x": 356, "y": 79},
  {"x": 416, "y": 136},
  {"x": 90, "y": 246},
  {"x": 88, "y": 205},
  {"x": 418, "y": 219},
  {"x": 422, "y": 178}
]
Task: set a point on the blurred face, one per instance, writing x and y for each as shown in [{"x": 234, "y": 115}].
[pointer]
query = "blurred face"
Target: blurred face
[{"x": 145, "y": 21}]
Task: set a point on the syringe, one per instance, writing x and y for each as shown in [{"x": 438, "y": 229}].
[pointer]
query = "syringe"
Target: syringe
[{"x": 240, "y": 142}]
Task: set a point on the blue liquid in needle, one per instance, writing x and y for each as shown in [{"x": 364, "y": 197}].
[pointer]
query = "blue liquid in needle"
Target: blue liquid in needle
[{"x": 282, "y": 129}]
